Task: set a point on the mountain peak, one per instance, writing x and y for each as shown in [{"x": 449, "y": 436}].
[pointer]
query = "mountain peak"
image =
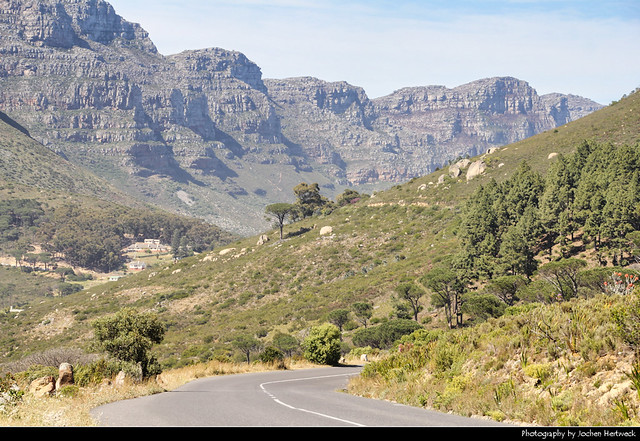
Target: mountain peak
[{"x": 68, "y": 23}]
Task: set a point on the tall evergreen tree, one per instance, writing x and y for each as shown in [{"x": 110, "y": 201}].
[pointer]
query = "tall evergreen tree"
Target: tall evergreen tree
[
  {"x": 590, "y": 193},
  {"x": 479, "y": 232},
  {"x": 557, "y": 206},
  {"x": 519, "y": 244},
  {"x": 620, "y": 214},
  {"x": 521, "y": 191}
]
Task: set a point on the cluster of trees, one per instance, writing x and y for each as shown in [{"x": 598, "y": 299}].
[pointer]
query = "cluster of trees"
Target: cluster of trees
[
  {"x": 324, "y": 343},
  {"x": 384, "y": 335},
  {"x": 128, "y": 336},
  {"x": 309, "y": 202},
  {"x": 505, "y": 228},
  {"x": 281, "y": 345},
  {"x": 18, "y": 217},
  {"x": 362, "y": 311},
  {"x": 594, "y": 192},
  {"x": 93, "y": 237}
]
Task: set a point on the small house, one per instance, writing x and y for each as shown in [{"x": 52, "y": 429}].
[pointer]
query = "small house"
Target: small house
[{"x": 137, "y": 265}]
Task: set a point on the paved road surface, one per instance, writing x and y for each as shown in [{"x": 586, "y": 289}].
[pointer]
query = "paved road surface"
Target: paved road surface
[{"x": 303, "y": 398}]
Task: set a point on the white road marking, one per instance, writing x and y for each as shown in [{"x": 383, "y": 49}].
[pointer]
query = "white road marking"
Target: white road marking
[{"x": 273, "y": 397}]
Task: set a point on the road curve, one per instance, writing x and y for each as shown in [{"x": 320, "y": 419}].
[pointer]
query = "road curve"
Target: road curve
[{"x": 302, "y": 398}]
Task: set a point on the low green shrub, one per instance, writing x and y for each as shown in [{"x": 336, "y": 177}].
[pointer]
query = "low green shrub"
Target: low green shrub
[
  {"x": 94, "y": 373},
  {"x": 271, "y": 355}
]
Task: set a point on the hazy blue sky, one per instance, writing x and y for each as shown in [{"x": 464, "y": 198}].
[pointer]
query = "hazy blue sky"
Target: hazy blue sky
[{"x": 582, "y": 47}]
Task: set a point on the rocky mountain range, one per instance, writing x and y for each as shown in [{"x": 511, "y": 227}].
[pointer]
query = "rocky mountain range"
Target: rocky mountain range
[{"x": 202, "y": 133}]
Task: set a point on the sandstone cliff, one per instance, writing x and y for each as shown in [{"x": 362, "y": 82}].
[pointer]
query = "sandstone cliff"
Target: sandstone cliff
[
  {"x": 414, "y": 130},
  {"x": 202, "y": 133}
]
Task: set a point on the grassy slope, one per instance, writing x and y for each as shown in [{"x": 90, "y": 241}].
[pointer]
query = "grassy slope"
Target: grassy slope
[{"x": 291, "y": 285}]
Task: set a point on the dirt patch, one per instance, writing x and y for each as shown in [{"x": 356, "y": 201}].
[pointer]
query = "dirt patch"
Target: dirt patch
[{"x": 54, "y": 323}]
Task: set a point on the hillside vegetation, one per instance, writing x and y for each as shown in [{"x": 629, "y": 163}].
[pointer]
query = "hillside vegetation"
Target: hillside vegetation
[
  {"x": 24, "y": 161},
  {"x": 559, "y": 344},
  {"x": 494, "y": 285}
]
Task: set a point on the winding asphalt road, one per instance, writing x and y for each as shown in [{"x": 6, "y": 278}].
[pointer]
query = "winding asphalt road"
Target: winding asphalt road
[{"x": 304, "y": 398}]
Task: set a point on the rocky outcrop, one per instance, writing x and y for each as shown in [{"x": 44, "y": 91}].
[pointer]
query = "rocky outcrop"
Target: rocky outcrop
[
  {"x": 413, "y": 130},
  {"x": 72, "y": 23},
  {"x": 330, "y": 124},
  {"x": 566, "y": 108},
  {"x": 326, "y": 230},
  {"x": 440, "y": 124},
  {"x": 48, "y": 385},
  {"x": 476, "y": 168},
  {"x": 65, "y": 375},
  {"x": 204, "y": 123},
  {"x": 43, "y": 386},
  {"x": 475, "y": 116}
]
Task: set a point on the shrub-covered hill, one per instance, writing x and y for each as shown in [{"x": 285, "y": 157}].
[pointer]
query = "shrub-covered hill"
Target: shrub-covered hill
[
  {"x": 375, "y": 245},
  {"x": 26, "y": 162},
  {"x": 554, "y": 364}
]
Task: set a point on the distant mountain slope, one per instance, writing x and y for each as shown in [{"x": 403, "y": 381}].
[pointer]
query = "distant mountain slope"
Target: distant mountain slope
[
  {"x": 25, "y": 161},
  {"x": 33, "y": 176},
  {"x": 202, "y": 133}
]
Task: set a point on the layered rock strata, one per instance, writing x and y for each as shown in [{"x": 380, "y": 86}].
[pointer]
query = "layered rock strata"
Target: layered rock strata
[{"x": 92, "y": 86}]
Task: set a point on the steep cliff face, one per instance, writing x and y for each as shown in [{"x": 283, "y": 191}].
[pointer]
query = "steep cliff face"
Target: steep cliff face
[
  {"x": 92, "y": 87},
  {"x": 83, "y": 78},
  {"x": 205, "y": 124},
  {"x": 414, "y": 130},
  {"x": 466, "y": 120},
  {"x": 331, "y": 125},
  {"x": 71, "y": 23}
]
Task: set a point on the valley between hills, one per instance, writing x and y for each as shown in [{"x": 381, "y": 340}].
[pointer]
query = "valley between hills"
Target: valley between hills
[{"x": 517, "y": 352}]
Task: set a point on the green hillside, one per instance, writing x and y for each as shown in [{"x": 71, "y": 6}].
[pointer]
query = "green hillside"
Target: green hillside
[
  {"x": 24, "y": 161},
  {"x": 394, "y": 238}
]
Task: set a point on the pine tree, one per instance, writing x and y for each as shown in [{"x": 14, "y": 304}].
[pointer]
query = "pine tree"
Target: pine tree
[
  {"x": 521, "y": 191},
  {"x": 479, "y": 232},
  {"x": 557, "y": 205},
  {"x": 619, "y": 214},
  {"x": 519, "y": 244}
]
